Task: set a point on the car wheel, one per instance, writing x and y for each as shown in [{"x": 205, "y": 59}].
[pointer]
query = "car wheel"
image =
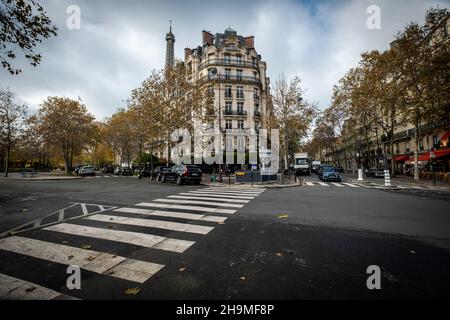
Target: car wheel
[{"x": 179, "y": 181}]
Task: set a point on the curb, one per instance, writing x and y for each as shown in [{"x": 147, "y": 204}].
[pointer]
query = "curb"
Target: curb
[{"x": 42, "y": 179}]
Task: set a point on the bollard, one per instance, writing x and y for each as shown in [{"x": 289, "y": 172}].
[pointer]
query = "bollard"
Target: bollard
[
  {"x": 387, "y": 178},
  {"x": 360, "y": 175}
]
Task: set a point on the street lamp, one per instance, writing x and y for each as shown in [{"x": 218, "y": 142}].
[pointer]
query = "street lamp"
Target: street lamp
[{"x": 214, "y": 71}]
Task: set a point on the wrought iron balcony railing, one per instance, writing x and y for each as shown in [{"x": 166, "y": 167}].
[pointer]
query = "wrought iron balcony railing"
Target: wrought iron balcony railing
[{"x": 228, "y": 62}]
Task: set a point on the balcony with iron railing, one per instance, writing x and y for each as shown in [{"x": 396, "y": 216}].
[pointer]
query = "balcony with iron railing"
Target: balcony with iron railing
[
  {"x": 234, "y": 113},
  {"x": 257, "y": 114},
  {"x": 423, "y": 129},
  {"x": 228, "y": 62},
  {"x": 231, "y": 79}
]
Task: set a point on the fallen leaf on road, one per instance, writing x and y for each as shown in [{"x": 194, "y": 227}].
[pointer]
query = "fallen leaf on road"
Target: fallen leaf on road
[
  {"x": 91, "y": 258},
  {"x": 86, "y": 246},
  {"x": 220, "y": 222},
  {"x": 279, "y": 254},
  {"x": 132, "y": 291},
  {"x": 182, "y": 269},
  {"x": 283, "y": 216},
  {"x": 242, "y": 278},
  {"x": 110, "y": 227},
  {"x": 30, "y": 289}
]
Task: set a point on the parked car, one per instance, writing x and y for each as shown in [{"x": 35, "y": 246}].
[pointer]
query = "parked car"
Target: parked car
[
  {"x": 108, "y": 169},
  {"x": 330, "y": 174},
  {"x": 144, "y": 173},
  {"x": 159, "y": 171},
  {"x": 182, "y": 174},
  {"x": 123, "y": 171},
  {"x": 374, "y": 173},
  {"x": 86, "y": 171},
  {"x": 321, "y": 169}
]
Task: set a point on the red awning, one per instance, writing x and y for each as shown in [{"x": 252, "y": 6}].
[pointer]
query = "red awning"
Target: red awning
[
  {"x": 401, "y": 158},
  {"x": 425, "y": 157},
  {"x": 442, "y": 152}
]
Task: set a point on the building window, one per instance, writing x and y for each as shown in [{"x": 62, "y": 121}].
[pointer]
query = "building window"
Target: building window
[
  {"x": 256, "y": 107},
  {"x": 241, "y": 144},
  {"x": 446, "y": 30},
  {"x": 255, "y": 94},
  {"x": 227, "y": 59},
  {"x": 210, "y": 125},
  {"x": 241, "y": 124},
  {"x": 227, "y": 74},
  {"x": 239, "y": 60},
  {"x": 240, "y": 92},
  {"x": 240, "y": 107},
  {"x": 229, "y": 144},
  {"x": 239, "y": 74},
  {"x": 228, "y": 93},
  {"x": 421, "y": 144},
  {"x": 435, "y": 140},
  {"x": 255, "y": 74},
  {"x": 228, "y": 124},
  {"x": 228, "y": 107}
]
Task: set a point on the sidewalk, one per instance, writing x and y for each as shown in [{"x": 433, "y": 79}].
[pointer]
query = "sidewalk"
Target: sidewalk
[
  {"x": 401, "y": 181},
  {"x": 38, "y": 176}
]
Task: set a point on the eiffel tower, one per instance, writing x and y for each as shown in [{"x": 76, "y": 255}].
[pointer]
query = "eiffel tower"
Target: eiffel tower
[{"x": 170, "y": 49}]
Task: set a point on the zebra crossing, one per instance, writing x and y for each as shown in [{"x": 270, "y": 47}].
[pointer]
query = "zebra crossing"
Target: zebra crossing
[
  {"x": 332, "y": 184},
  {"x": 169, "y": 225}
]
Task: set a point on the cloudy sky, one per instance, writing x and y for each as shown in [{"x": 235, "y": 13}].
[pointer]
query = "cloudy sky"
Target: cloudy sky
[{"x": 120, "y": 42}]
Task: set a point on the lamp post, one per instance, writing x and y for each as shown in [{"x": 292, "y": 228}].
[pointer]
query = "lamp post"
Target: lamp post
[{"x": 214, "y": 71}]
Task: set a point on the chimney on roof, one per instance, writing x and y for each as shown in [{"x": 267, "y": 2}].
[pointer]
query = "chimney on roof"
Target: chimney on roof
[
  {"x": 187, "y": 53},
  {"x": 250, "y": 41},
  {"x": 207, "y": 38}
]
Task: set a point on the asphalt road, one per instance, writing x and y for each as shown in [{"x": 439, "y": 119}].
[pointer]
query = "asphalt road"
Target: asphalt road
[{"x": 308, "y": 242}]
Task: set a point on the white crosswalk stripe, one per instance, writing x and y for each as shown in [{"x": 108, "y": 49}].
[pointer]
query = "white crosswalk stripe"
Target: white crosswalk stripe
[
  {"x": 16, "y": 289},
  {"x": 216, "y": 195},
  {"x": 337, "y": 184},
  {"x": 136, "y": 238},
  {"x": 172, "y": 214},
  {"x": 350, "y": 185},
  {"x": 159, "y": 224},
  {"x": 207, "y": 203},
  {"x": 209, "y": 198},
  {"x": 223, "y": 195},
  {"x": 228, "y": 193},
  {"x": 309, "y": 183},
  {"x": 98, "y": 262},
  {"x": 246, "y": 191},
  {"x": 182, "y": 207},
  {"x": 323, "y": 184}
]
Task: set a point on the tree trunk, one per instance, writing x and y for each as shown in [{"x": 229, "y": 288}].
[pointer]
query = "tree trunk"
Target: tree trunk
[
  {"x": 8, "y": 153},
  {"x": 416, "y": 153}
]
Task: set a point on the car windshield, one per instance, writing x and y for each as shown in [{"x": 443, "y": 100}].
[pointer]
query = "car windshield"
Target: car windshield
[
  {"x": 329, "y": 169},
  {"x": 302, "y": 161}
]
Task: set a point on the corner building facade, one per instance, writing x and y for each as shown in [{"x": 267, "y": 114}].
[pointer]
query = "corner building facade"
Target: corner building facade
[{"x": 229, "y": 67}]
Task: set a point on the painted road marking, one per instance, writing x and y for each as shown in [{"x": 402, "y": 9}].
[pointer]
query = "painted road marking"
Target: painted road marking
[
  {"x": 337, "y": 184},
  {"x": 208, "y": 203},
  {"x": 16, "y": 289},
  {"x": 209, "y": 198},
  {"x": 192, "y": 208},
  {"x": 139, "y": 239},
  {"x": 160, "y": 224},
  {"x": 323, "y": 184},
  {"x": 350, "y": 185},
  {"x": 215, "y": 195},
  {"x": 98, "y": 262},
  {"x": 173, "y": 214},
  {"x": 309, "y": 183},
  {"x": 233, "y": 190},
  {"x": 246, "y": 194}
]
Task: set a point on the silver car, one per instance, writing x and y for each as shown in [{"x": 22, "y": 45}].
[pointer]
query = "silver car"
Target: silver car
[{"x": 86, "y": 171}]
